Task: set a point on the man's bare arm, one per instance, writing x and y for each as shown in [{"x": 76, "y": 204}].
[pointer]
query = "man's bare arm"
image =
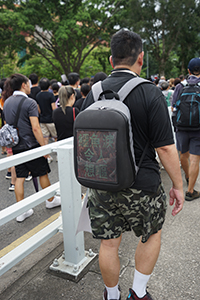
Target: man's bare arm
[
  {"x": 169, "y": 158},
  {"x": 37, "y": 130},
  {"x": 53, "y": 105}
]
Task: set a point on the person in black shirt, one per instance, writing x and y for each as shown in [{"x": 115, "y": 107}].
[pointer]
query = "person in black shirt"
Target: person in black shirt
[
  {"x": 64, "y": 116},
  {"x": 46, "y": 104},
  {"x": 74, "y": 81},
  {"x": 141, "y": 207},
  {"x": 35, "y": 89},
  {"x": 85, "y": 88}
]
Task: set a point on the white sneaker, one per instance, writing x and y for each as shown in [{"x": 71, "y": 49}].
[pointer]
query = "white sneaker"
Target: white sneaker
[
  {"x": 25, "y": 215},
  {"x": 49, "y": 159},
  {"x": 54, "y": 203},
  {"x": 28, "y": 178},
  {"x": 11, "y": 187}
]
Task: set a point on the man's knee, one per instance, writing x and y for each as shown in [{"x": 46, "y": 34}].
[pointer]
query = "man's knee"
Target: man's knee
[
  {"x": 111, "y": 243},
  {"x": 184, "y": 155},
  {"x": 194, "y": 159}
]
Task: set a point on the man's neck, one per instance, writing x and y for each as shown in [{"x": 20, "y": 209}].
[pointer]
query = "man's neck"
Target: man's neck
[
  {"x": 133, "y": 68},
  {"x": 74, "y": 86}
]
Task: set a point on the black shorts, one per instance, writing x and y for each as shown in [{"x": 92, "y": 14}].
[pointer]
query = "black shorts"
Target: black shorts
[
  {"x": 188, "y": 141},
  {"x": 37, "y": 167}
]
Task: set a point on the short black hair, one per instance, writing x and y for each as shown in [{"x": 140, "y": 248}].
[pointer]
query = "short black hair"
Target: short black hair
[
  {"x": 52, "y": 81},
  {"x": 100, "y": 76},
  {"x": 85, "y": 80},
  {"x": 85, "y": 88},
  {"x": 55, "y": 87},
  {"x": 125, "y": 45},
  {"x": 33, "y": 78},
  {"x": 16, "y": 81},
  {"x": 73, "y": 78},
  {"x": 44, "y": 83}
]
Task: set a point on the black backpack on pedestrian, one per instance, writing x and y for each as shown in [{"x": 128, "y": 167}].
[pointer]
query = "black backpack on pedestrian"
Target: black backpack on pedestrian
[
  {"x": 103, "y": 143},
  {"x": 187, "y": 108}
]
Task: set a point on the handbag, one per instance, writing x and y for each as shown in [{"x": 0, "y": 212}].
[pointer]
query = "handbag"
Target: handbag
[{"x": 9, "y": 133}]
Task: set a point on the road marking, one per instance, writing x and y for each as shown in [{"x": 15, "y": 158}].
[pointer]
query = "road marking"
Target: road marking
[{"x": 29, "y": 234}]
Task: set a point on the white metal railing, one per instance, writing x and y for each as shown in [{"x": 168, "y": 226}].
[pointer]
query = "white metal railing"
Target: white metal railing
[{"x": 70, "y": 190}]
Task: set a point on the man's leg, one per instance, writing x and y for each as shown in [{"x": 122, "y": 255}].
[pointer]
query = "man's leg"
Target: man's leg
[
  {"x": 193, "y": 171},
  {"x": 19, "y": 189},
  {"x": 109, "y": 261},
  {"x": 19, "y": 193},
  {"x": 184, "y": 157},
  {"x": 44, "y": 182},
  {"x": 146, "y": 254}
]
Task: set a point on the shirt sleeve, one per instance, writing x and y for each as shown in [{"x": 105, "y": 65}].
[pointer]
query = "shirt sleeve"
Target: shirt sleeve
[
  {"x": 53, "y": 99},
  {"x": 33, "y": 109}
]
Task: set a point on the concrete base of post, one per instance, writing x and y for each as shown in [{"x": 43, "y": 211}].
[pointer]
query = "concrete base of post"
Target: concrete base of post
[{"x": 62, "y": 268}]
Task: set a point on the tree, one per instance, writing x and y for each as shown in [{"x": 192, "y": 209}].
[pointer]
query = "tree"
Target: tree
[
  {"x": 63, "y": 31},
  {"x": 166, "y": 25}
]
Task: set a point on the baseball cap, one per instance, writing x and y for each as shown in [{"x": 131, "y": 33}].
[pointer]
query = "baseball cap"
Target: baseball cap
[{"x": 194, "y": 63}]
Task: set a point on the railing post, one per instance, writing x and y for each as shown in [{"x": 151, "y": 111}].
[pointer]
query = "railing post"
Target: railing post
[
  {"x": 75, "y": 258},
  {"x": 70, "y": 191}
]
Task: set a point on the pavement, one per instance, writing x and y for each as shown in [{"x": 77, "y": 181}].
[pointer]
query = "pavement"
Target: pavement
[{"x": 176, "y": 275}]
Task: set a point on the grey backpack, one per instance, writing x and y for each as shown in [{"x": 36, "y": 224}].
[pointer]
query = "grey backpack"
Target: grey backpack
[
  {"x": 9, "y": 133},
  {"x": 103, "y": 142}
]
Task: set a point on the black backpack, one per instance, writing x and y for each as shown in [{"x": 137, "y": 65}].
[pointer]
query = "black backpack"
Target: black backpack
[
  {"x": 103, "y": 143},
  {"x": 187, "y": 108}
]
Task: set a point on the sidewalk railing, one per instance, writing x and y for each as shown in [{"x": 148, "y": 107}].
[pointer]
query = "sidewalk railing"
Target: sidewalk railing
[{"x": 70, "y": 191}]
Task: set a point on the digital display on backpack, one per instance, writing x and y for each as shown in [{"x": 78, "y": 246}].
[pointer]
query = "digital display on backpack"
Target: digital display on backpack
[{"x": 96, "y": 155}]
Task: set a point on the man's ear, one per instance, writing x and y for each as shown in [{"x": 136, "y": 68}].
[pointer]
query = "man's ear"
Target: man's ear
[
  {"x": 111, "y": 61},
  {"x": 140, "y": 58},
  {"x": 23, "y": 86},
  {"x": 189, "y": 72}
]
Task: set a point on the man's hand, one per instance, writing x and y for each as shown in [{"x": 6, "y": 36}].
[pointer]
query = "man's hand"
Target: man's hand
[{"x": 176, "y": 196}]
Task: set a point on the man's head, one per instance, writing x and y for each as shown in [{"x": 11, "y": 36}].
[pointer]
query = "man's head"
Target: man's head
[
  {"x": 194, "y": 66},
  {"x": 74, "y": 79},
  {"x": 85, "y": 88},
  {"x": 44, "y": 84},
  {"x": 164, "y": 85},
  {"x": 125, "y": 48},
  {"x": 55, "y": 87},
  {"x": 19, "y": 82},
  {"x": 33, "y": 78}
]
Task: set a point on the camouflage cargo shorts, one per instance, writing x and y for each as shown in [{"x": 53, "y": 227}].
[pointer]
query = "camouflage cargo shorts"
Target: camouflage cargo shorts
[{"x": 111, "y": 214}]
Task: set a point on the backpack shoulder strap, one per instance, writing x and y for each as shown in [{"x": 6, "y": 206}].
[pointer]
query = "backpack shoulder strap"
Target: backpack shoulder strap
[
  {"x": 18, "y": 111},
  {"x": 97, "y": 90},
  {"x": 123, "y": 92},
  {"x": 130, "y": 85}
]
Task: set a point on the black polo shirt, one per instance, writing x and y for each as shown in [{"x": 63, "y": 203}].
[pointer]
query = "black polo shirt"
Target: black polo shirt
[{"x": 150, "y": 122}]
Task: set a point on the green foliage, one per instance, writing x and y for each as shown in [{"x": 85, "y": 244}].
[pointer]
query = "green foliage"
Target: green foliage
[
  {"x": 98, "y": 61},
  {"x": 74, "y": 35},
  {"x": 60, "y": 31},
  {"x": 166, "y": 26},
  {"x": 41, "y": 67}
]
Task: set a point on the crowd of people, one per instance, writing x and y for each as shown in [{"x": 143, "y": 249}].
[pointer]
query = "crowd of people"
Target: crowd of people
[
  {"x": 187, "y": 141},
  {"x": 50, "y": 112}
]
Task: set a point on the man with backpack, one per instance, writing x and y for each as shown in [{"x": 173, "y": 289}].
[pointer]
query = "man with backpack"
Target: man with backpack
[
  {"x": 142, "y": 206},
  {"x": 186, "y": 102}
]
